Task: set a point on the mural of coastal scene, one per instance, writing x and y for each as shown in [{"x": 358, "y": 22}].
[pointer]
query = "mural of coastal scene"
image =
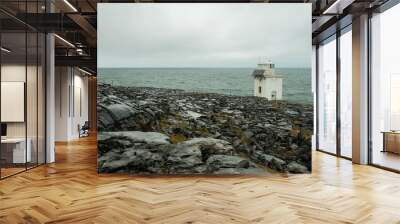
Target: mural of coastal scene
[{"x": 204, "y": 89}]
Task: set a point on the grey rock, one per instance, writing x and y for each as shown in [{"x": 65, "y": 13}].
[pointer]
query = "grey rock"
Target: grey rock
[
  {"x": 292, "y": 112},
  {"x": 193, "y": 114},
  {"x": 258, "y": 130},
  {"x": 235, "y": 171},
  {"x": 294, "y": 146},
  {"x": 114, "y": 165},
  {"x": 142, "y": 160},
  {"x": 217, "y": 162},
  {"x": 184, "y": 158},
  {"x": 143, "y": 157},
  {"x": 248, "y": 134},
  {"x": 120, "y": 111},
  {"x": 270, "y": 161},
  {"x": 214, "y": 146},
  {"x": 104, "y": 118},
  {"x": 135, "y": 136},
  {"x": 294, "y": 167},
  {"x": 282, "y": 123}
]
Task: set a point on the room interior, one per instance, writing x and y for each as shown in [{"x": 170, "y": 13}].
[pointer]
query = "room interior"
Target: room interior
[
  {"x": 24, "y": 99},
  {"x": 22, "y": 102},
  {"x": 355, "y": 81},
  {"x": 72, "y": 111}
]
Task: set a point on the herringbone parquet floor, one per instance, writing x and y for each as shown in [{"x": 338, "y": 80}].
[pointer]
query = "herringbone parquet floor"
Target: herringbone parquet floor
[{"x": 70, "y": 191}]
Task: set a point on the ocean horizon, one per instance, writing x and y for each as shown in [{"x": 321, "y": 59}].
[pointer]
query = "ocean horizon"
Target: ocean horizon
[{"x": 229, "y": 81}]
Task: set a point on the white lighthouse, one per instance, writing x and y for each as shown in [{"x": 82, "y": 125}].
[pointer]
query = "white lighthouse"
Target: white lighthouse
[{"x": 266, "y": 83}]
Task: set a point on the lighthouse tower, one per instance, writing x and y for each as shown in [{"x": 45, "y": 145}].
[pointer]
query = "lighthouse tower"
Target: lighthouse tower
[{"x": 266, "y": 83}]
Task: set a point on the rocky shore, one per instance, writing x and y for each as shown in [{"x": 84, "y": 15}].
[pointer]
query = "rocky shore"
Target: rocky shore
[{"x": 167, "y": 131}]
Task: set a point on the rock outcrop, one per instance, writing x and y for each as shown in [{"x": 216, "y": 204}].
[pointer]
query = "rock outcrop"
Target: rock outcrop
[{"x": 164, "y": 131}]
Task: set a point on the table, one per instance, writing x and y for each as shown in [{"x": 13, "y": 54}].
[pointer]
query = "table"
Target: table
[
  {"x": 13, "y": 150},
  {"x": 391, "y": 141}
]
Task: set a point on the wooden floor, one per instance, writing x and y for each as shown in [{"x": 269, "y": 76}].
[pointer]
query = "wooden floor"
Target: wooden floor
[
  {"x": 5, "y": 172},
  {"x": 387, "y": 159},
  {"x": 70, "y": 191}
]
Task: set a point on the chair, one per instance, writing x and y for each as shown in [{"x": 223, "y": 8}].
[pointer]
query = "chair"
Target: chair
[{"x": 84, "y": 130}]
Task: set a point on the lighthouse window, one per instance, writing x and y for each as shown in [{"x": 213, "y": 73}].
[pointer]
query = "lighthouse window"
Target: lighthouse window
[
  {"x": 259, "y": 89},
  {"x": 273, "y": 95}
]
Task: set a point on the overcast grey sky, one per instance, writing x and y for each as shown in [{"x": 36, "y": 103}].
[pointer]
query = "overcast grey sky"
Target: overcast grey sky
[{"x": 203, "y": 35}]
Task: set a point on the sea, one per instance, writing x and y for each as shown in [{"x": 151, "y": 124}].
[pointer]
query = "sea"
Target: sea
[{"x": 230, "y": 81}]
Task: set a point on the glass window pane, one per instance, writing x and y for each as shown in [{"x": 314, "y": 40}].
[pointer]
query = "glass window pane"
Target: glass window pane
[
  {"x": 31, "y": 97},
  {"x": 13, "y": 86},
  {"x": 23, "y": 90},
  {"x": 327, "y": 97},
  {"x": 314, "y": 90},
  {"x": 346, "y": 94},
  {"x": 31, "y": 87},
  {"x": 41, "y": 98},
  {"x": 385, "y": 114}
]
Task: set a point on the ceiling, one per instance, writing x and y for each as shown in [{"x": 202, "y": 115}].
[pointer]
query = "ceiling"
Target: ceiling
[{"x": 75, "y": 21}]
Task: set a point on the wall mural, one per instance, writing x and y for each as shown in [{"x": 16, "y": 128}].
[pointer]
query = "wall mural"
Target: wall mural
[{"x": 204, "y": 88}]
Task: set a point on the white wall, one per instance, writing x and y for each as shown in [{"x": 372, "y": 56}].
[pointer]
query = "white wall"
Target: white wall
[
  {"x": 14, "y": 73},
  {"x": 62, "y": 82},
  {"x": 80, "y": 94},
  {"x": 71, "y": 87},
  {"x": 270, "y": 85},
  {"x": 257, "y": 84},
  {"x": 17, "y": 73},
  {"x": 33, "y": 126},
  {"x": 13, "y": 101},
  {"x": 267, "y": 86}
]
